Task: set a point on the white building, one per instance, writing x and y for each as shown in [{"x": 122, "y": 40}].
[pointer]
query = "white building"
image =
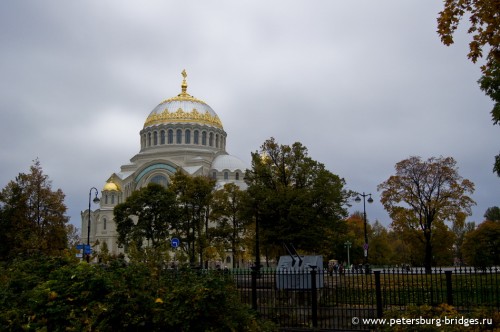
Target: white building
[{"x": 182, "y": 132}]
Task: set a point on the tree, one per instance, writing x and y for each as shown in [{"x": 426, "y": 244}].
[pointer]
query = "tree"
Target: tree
[
  {"x": 194, "y": 196},
  {"x": 73, "y": 235},
  {"x": 381, "y": 249},
  {"x": 33, "y": 216},
  {"x": 443, "y": 240},
  {"x": 227, "y": 213},
  {"x": 147, "y": 217},
  {"x": 295, "y": 198},
  {"x": 460, "y": 228},
  {"x": 490, "y": 84},
  {"x": 356, "y": 235},
  {"x": 481, "y": 245},
  {"x": 492, "y": 214},
  {"x": 408, "y": 243},
  {"x": 423, "y": 193},
  {"x": 484, "y": 27}
]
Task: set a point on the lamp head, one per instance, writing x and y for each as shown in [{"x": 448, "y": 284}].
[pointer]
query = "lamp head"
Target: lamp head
[
  {"x": 357, "y": 199},
  {"x": 370, "y": 199},
  {"x": 96, "y": 199}
]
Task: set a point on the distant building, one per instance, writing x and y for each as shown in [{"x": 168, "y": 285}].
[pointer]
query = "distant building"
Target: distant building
[{"x": 182, "y": 132}]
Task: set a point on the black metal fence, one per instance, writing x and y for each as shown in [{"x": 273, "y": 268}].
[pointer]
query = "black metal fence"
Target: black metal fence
[{"x": 328, "y": 300}]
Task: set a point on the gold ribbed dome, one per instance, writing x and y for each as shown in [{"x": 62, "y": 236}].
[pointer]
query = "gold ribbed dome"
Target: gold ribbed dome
[
  {"x": 183, "y": 108},
  {"x": 110, "y": 186}
]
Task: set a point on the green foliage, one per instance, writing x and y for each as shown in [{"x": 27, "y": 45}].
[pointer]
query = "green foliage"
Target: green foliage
[
  {"x": 496, "y": 166},
  {"x": 18, "y": 279},
  {"x": 295, "y": 198},
  {"x": 481, "y": 246},
  {"x": 202, "y": 302},
  {"x": 381, "y": 251},
  {"x": 490, "y": 84},
  {"x": 147, "y": 216},
  {"x": 485, "y": 30},
  {"x": 460, "y": 229},
  {"x": 194, "y": 196},
  {"x": 492, "y": 214},
  {"x": 32, "y": 216},
  {"x": 50, "y": 294},
  {"x": 231, "y": 222}
]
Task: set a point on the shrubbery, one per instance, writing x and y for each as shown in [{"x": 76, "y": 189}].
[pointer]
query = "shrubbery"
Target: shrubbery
[{"x": 57, "y": 294}]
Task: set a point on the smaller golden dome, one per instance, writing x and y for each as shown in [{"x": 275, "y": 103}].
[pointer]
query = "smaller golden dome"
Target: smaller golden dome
[{"x": 110, "y": 186}]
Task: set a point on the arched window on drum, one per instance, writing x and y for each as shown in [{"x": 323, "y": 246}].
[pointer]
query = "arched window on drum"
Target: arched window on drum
[{"x": 159, "y": 179}]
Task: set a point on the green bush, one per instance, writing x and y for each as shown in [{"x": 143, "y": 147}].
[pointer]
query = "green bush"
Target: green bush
[{"x": 48, "y": 295}]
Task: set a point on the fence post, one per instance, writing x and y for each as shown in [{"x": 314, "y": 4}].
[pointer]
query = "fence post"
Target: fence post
[
  {"x": 254, "y": 288},
  {"x": 449, "y": 288},
  {"x": 378, "y": 294},
  {"x": 314, "y": 297}
]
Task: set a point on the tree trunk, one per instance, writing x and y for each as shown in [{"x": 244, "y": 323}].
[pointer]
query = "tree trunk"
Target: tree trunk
[{"x": 428, "y": 251}]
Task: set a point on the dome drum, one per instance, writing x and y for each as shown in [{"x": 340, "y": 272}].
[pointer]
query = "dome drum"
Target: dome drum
[{"x": 185, "y": 135}]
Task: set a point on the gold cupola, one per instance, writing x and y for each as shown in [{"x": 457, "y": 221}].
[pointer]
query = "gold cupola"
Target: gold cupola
[
  {"x": 110, "y": 185},
  {"x": 183, "y": 108}
]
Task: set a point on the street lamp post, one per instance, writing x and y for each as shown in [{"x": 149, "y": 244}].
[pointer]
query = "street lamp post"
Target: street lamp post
[
  {"x": 96, "y": 201},
  {"x": 347, "y": 245},
  {"x": 257, "y": 245},
  {"x": 365, "y": 246}
]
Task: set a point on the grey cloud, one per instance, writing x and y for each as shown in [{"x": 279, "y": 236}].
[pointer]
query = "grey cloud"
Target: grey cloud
[{"x": 362, "y": 86}]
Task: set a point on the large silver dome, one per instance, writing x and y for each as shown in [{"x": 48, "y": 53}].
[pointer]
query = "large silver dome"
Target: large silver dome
[{"x": 183, "y": 108}]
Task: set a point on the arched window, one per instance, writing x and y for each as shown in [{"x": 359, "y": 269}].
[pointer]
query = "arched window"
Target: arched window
[
  {"x": 226, "y": 175},
  {"x": 106, "y": 199},
  {"x": 113, "y": 199},
  {"x": 159, "y": 179},
  {"x": 155, "y": 138},
  {"x": 144, "y": 140},
  {"x": 204, "y": 138},
  {"x": 216, "y": 140},
  {"x": 179, "y": 136},
  {"x": 237, "y": 176},
  {"x": 170, "y": 136},
  {"x": 162, "y": 137},
  {"x": 149, "y": 139},
  {"x": 196, "y": 138},
  {"x": 211, "y": 139},
  {"x": 214, "y": 175},
  {"x": 104, "y": 222},
  {"x": 187, "y": 137}
]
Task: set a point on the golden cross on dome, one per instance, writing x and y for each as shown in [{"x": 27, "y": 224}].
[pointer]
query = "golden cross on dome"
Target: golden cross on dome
[{"x": 184, "y": 84}]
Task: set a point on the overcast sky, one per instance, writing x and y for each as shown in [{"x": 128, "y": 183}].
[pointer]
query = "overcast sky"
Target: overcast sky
[{"x": 363, "y": 85}]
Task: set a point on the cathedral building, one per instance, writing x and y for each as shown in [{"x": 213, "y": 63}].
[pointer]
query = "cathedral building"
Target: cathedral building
[{"x": 181, "y": 133}]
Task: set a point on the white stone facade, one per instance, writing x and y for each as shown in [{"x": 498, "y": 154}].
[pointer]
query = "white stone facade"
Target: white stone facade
[{"x": 180, "y": 133}]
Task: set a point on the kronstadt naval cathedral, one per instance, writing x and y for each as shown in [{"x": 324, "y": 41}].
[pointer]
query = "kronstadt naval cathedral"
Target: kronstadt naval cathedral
[{"x": 182, "y": 132}]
